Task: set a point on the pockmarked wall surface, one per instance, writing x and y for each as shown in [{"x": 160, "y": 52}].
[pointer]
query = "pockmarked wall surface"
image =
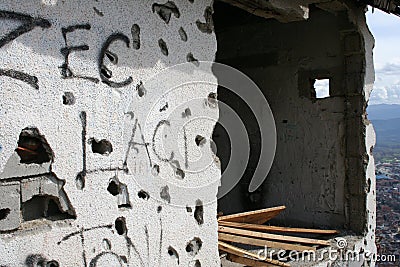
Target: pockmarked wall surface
[{"x": 96, "y": 146}]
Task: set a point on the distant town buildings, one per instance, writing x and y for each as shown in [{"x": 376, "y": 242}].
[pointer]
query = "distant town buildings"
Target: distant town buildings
[{"x": 388, "y": 210}]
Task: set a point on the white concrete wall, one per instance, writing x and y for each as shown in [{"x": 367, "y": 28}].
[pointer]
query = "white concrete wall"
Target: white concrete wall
[{"x": 158, "y": 228}]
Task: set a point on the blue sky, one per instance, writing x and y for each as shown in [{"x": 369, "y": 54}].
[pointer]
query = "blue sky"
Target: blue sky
[{"x": 386, "y": 30}]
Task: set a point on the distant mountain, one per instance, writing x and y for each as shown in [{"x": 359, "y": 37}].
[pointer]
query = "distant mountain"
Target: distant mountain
[
  {"x": 386, "y": 121},
  {"x": 383, "y": 112}
]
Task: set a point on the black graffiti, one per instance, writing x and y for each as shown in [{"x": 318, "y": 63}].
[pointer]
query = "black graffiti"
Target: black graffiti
[
  {"x": 105, "y": 73},
  {"x": 107, "y": 169},
  {"x": 160, "y": 123},
  {"x": 93, "y": 262},
  {"x": 82, "y": 237},
  {"x": 129, "y": 245},
  {"x": 66, "y": 71},
  {"x": 161, "y": 242},
  {"x": 186, "y": 148},
  {"x": 65, "y": 238},
  {"x": 19, "y": 75},
  {"x": 28, "y": 24},
  {"x": 81, "y": 177},
  {"x": 132, "y": 143},
  {"x": 146, "y": 231}
]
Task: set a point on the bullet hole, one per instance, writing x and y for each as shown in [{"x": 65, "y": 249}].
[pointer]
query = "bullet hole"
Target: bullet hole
[
  {"x": 52, "y": 264},
  {"x": 135, "y": 31},
  {"x": 191, "y": 1},
  {"x": 113, "y": 188},
  {"x": 212, "y": 100},
  {"x": 120, "y": 226},
  {"x": 284, "y": 121},
  {"x": 33, "y": 147},
  {"x": 4, "y": 213},
  {"x": 106, "y": 244},
  {"x": 208, "y": 26},
  {"x": 365, "y": 242},
  {"x": 159, "y": 209},
  {"x": 124, "y": 258},
  {"x": 35, "y": 260},
  {"x": 143, "y": 195},
  {"x": 111, "y": 56},
  {"x": 179, "y": 173},
  {"x": 173, "y": 253},
  {"x": 166, "y": 10},
  {"x": 155, "y": 170},
  {"x": 45, "y": 206},
  {"x": 197, "y": 263},
  {"x": 198, "y": 212},
  {"x": 369, "y": 185},
  {"x": 103, "y": 147},
  {"x": 140, "y": 89},
  {"x": 98, "y": 12},
  {"x": 68, "y": 98},
  {"x": 123, "y": 197},
  {"x": 193, "y": 247},
  {"x": 80, "y": 181},
  {"x": 200, "y": 140},
  {"x": 187, "y": 113},
  {"x": 182, "y": 34},
  {"x": 116, "y": 188},
  {"x": 190, "y": 58},
  {"x": 52, "y": 208},
  {"x": 188, "y": 209},
  {"x": 106, "y": 72},
  {"x": 164, "y": 108},
  {"x": 164, "y": 194},
  {"x": 163, "y": 47}
]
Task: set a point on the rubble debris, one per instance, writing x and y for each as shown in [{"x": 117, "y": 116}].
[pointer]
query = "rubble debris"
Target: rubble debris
[
  {"x": 256, "y": 217},
  {"x": 248, "y": 228}
]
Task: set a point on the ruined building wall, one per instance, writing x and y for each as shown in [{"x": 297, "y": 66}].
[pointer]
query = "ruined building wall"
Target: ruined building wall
[
  {"x": 90, "y": 184},
  {"x": 323, "y": 168}
]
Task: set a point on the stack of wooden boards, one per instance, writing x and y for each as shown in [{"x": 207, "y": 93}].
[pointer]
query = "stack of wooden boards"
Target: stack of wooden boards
[{"x": 248, "y": 228}]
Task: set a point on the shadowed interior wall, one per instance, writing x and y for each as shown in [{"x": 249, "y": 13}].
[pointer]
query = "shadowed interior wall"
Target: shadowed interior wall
[{"x": 318, "y": 171}]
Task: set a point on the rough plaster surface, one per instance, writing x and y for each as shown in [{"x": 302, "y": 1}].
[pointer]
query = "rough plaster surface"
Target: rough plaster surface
[{"x": 100, "y": 96}]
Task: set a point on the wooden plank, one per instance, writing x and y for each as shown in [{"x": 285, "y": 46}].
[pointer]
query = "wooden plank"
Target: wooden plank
[
  {"x": 277, "y": 228},
  {"x": 229, "y": 230},
  {"x": 247, "y": 261},
  {"x": 256, "y": 217},
  {"x": 244, "y": 253},
  {"x": 263, "y": 243}
]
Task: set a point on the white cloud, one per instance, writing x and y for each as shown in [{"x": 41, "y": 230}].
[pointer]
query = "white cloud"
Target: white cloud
[
  {"x": 386, "y": 95},
  {"x": 387, "y": 84},
  {"x": 386, "y": 30},
  {"x": 390, "y": 68}
]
